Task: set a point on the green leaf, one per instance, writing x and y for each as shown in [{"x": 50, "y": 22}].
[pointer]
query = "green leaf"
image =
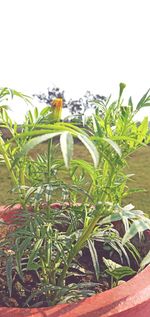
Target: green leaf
[
  {"x": 87, "y": 167},
  {"x": 143, "y": 101},
  {"x": 145, "y": 261},
  {"x": 116, "y": 270},
  {"x": 91, "y": 148},
  {"x": 9, "y": 267},
  {"x": 66, "y": 143},
  {"x": 26, "y": 98},
  {"x": 35, "y": 266},
  {"x": 114, "y": 145},
  {"x": 34, "y": 253},
  {"x": 35, "y": 141},
  {"x": 125, "y": 212},
  {"x": 96, "y": 126},
  {"x": 137, "y": 226},
  {"x": 29, "y": 192},
  {"x": 142, "y": 130},
  {"x": 24, "y": 245},
  {"x": 30, "y": 116},
  {"x": 111, "y": 218},
  {"x": 94, "y": 258},
  {"x": 44, "y": 111},
  {"x": 36, "y": 113},
  {"x": 111, "y": 265},
  {"x": 121, "y": 272},
  {"x": 130, "y": 103}
]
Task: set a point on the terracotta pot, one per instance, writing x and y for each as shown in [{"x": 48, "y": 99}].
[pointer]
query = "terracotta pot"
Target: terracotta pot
[{"x": 130, "y": 299}]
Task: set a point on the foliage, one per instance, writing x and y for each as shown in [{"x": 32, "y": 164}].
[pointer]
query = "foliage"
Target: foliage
[
  {"x": 51, "y": 237},
  {"x": 117, "y": 271}
]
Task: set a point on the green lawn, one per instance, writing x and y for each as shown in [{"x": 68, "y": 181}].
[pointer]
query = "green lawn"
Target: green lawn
[{"x": 138, "y": 164}]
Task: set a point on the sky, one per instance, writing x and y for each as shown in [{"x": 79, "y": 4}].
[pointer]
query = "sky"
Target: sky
[{"x": 77, "y": 45}]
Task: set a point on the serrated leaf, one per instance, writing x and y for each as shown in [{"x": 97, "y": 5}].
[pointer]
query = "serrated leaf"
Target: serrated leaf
[{"x": 66, "y": 144}]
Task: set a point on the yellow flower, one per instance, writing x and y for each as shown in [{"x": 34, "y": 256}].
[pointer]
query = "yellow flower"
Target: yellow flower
[{"x": 57, "y": 105}]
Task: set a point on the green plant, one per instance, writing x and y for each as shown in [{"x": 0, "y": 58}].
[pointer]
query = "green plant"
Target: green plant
[
  {"x": 47, "y": 126},
  {"x": 117, "y": 271},
  {"x": 117, "y": 128},
  {"x": 50, "y": 240}
]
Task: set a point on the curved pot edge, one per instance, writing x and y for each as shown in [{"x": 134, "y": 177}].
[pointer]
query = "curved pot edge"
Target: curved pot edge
[{"x": 132, "y": 297}]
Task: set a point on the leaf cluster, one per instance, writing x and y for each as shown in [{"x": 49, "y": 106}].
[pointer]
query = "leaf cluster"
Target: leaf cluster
[{"x": 50, "y": 238}]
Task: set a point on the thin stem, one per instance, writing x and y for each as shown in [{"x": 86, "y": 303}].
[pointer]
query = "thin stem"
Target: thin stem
[{"x": 50, "y": 144}]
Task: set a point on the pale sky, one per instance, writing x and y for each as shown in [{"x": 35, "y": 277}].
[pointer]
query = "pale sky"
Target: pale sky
[{"x": 77, "y": 45}]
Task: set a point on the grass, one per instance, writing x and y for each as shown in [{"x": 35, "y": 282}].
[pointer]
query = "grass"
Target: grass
[{"x": 138, "y": 164}]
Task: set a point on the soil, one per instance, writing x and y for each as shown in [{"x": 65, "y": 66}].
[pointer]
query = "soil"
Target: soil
[{"x": 23, "y": 288}]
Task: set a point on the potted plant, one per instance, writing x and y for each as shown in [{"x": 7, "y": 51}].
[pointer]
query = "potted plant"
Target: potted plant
[{"x": 72, "y": 238}]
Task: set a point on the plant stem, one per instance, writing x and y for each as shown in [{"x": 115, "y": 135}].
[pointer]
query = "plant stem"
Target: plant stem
[
  {"x": 79, "y": 244},
  {"x": 50, "y": 143}
]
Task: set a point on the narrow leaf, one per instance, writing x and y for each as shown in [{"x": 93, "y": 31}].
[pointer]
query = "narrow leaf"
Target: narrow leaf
[
  {"x": 145, "y": 261},
  {"x": 24, "y": 245},
  {"x": 142, "y": 102},
  {"x": 36, "y": 112},
  {"x": 130, "y": 103},
  {"x": 96, "y": 126},
  {"x": 114, "y": 145},
  {"x": 66, "y": 143},
  {"x": 34, "y": 252},
  {"x": 94, "y": 258},
  {"x": 137, "y": 226},
  {"x": 142, "y": 130},
  {"x": 91, "y": 148},
  {"x": 9, "y": 267},
  {"x": 34, "y": 142}
]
